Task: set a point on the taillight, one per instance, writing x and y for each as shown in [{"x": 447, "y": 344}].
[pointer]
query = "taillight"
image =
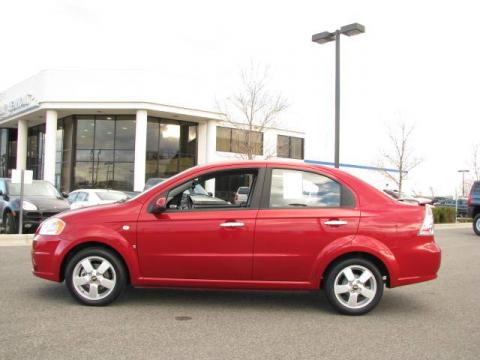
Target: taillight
[
  {"x": 469, "y": 199},
  {"x": 427, "y": 226}
]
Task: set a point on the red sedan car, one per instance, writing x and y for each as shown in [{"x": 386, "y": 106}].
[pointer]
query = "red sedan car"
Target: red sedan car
[{"x": 301, "y": 227}]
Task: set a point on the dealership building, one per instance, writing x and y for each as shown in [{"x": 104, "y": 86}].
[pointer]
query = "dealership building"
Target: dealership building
[{"x": 116, "y": 129}]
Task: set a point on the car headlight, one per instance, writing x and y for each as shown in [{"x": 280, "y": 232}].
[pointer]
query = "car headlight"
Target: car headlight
[
  {"x": 53, "y": 226},
  {"x": 27, "y": 205}
]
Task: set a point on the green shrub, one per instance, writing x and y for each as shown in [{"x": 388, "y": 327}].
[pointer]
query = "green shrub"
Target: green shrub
[{"x": 443, "y": 214}]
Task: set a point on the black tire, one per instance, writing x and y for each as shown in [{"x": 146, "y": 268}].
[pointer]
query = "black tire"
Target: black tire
[
  {"x": 476, "y": 224},
  {"x": 331, "y": 277},
  {"x": 120, "y": 275},
  {"x": 10, "y": 224}
]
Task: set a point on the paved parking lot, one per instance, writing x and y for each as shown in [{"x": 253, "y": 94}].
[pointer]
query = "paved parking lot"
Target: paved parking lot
[{"x": 435, "y": 320}]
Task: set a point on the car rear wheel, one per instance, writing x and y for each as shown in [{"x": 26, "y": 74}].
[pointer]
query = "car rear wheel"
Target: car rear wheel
[
  {"x": 354, "y": 286},
  {"x": 476, "y": 224},
  {"x": 95, "y": 276}
]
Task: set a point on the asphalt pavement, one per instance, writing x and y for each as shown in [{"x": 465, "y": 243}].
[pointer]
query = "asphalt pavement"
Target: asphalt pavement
[{"x": 434, "y": 320}]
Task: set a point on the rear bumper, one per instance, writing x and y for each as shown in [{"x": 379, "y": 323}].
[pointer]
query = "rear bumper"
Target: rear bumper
[{"x": 418, "y": 262}]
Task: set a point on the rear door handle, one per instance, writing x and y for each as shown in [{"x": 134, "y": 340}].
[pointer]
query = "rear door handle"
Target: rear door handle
[
  {"x": 336, "y": 222},
  {"x": 232, "y": 224}
]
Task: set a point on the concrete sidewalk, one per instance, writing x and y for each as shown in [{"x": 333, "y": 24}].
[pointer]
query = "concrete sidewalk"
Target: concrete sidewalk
[
  {"x": 16, "y": 240},
  {"x": 453, "y": 226}
]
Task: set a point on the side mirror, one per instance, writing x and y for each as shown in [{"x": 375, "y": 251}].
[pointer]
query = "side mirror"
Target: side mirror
[
  {"x": 64, "y": 194},
  {"x": 158, "y": 206},
  {"x": 210, "y": 194}
]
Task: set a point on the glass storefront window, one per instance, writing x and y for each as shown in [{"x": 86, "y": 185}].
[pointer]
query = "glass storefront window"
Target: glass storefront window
[
  {"x": 105, "y": 152},
  {"x": 171, "y": 147},
  {"x": 8, "y": 151},
  {"x": 98, "y": 151},
  {"x": 290, "y": 147},
  {"x": 85, "y": 132},
  {"x": 36, "y": 150},
  {"x": 236, "y": 140},
  {"x": 104, "y": 132}
]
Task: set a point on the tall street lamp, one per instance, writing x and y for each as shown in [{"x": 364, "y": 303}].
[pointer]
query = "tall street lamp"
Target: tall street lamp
[
  {"x": 322, "y": 38},
  {"x": 463, "y": 180}
]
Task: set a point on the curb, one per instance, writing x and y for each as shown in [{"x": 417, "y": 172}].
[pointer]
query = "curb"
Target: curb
[
  {"x": 16, "y": 240},
  {"x": 453, "y": 226}
]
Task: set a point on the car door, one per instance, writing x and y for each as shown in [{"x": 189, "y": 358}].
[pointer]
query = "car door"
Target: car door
[
  {"x": 303, "y": 212},
  {"x": 210, "y": 240}
]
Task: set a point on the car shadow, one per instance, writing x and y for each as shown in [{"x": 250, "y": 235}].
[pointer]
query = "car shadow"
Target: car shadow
[
  {"x": 232, "y": 299},
  {"x": 392, "y": 303}
]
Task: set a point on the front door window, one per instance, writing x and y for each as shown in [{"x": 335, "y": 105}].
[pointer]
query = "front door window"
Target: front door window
[{"x": 214, "y": 191}]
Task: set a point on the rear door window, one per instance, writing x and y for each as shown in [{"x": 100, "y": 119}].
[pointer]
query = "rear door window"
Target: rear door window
[{"x": 302, "y": 189}]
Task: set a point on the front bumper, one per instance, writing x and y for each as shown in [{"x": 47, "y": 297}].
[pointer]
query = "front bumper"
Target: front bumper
[{"x": 44, "y": 259}]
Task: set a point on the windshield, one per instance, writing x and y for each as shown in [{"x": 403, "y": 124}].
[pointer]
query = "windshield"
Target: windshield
[
  {"x": 111, "y": 195},
  {"x": 36, "y": 188}
]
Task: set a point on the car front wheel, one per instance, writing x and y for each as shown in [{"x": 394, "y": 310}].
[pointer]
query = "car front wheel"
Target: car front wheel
[
  {"x": 354, "y": 286},
  {"x": 476, "y": 224},
  {"x": 95, "y": 276}
]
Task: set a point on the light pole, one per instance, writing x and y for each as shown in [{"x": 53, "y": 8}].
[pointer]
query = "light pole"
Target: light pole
[
  {"x": 463, "y": 180},
  {"x": 322, "y": 38}
]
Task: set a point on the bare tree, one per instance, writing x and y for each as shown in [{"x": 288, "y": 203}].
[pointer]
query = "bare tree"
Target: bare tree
[
  {"x": 252, "y": 109},
  {"x": 399, "y": 155},
  {"x": 476, "y": 161}
]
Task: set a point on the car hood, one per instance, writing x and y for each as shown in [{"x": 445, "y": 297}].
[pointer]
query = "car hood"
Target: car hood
[
  {"x": 46, "y": 203},
  {"x": 124, "y": 211}
]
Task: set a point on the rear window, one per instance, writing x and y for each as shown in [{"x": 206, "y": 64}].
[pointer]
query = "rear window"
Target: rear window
[{"x": 300, "y": 189}]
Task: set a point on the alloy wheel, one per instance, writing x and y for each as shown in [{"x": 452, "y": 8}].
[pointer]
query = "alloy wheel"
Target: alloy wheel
[
  {"x": 94, "y": 278},
  {"x": 355, "y": 287}
]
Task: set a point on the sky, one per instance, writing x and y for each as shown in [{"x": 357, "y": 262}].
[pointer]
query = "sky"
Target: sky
[{"x": 418, "y": 63}]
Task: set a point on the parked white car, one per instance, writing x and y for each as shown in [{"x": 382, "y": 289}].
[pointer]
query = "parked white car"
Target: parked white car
[
  {"x": 241, "y": 195},
  {"x": 91, "y": 197}
]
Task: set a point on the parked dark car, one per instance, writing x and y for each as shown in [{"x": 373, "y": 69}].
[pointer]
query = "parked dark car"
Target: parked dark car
[
  {"x": 474, "y": 206},
  {"x": 462, "y": 207},
  {"x": 40, "y": 201}
]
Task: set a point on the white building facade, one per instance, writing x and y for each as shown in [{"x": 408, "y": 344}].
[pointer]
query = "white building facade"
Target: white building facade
[{"x": 115, "y": 129}]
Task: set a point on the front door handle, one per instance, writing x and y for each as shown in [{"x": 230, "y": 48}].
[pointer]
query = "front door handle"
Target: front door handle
[
  {"x": 232, "y": 224},
  {"x": 336, "y": 222}
]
